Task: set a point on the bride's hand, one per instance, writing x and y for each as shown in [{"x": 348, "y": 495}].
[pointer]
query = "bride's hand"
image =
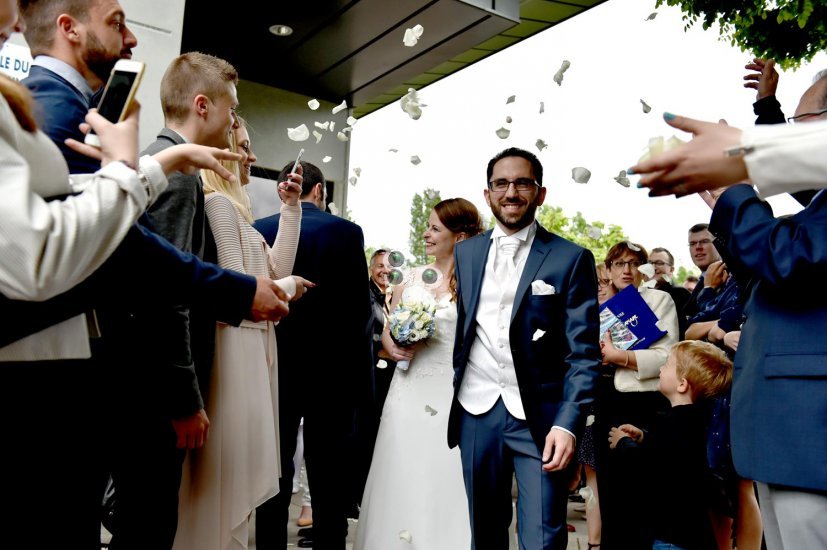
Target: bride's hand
[{"x": 396, "y": 352}]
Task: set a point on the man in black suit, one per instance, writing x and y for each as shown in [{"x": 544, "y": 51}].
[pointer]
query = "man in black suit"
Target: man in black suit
[{"x": 324, "y": 365}]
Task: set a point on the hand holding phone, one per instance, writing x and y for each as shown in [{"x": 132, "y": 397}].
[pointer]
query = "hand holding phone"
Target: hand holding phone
[{"x": 118, "y": 94}]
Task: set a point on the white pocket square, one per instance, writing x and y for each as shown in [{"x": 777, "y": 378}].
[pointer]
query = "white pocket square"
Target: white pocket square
[{"x": 541, "y": 288}]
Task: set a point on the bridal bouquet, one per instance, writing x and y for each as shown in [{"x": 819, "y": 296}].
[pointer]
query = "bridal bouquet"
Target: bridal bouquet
[{"x": 413, "y": 320}]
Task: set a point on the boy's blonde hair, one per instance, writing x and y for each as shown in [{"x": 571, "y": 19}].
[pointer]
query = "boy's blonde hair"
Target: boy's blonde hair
[{"x": 706, "y": 367}]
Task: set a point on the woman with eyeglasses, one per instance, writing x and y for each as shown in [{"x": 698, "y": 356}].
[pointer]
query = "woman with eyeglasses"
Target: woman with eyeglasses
[{"x": 632, "y": 397}]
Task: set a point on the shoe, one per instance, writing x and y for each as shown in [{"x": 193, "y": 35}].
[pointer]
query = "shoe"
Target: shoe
[
  {"x": 305, "y": 543},
  {"x": 306, "y": 532},
  {"x": 570, "y": 528},
  {"x": 305, "y": 519}
]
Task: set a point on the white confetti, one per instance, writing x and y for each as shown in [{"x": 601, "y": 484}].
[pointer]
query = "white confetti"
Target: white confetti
[
  {"x": 508, "y": 120},
  {"x": 540, "y": 144},
  {"x": 646, "y": 107},
  {"x": 341, "y": 136},
  {"x": 588, "y": 496},
  {"x": 537, "y": 335},
  {"x": 332, "y": 125},
  {"x": 347, "y": 129},
  {"x": 651, "y": 283},
  {"x": 542, "y": 107},
  {"x": 335, "y": 211},
  {"x": 392, "y": 150},
  {"x": 622, "y": 179},
  {"x": 580, "y": 174},
  {"x": 406, "y": 536},
  {"x": 647, "y": 269},
  {"x": 595, "y": 232},
  {"x": 313, "y": 104},
  {"x": 590, "y": 420},
  {"x": 327, "y": 159},
  {"x": 317, "y": 135},
  {"x": 322, "y": 126},
  {"x": 558, "y": 76},
  {"x": 412, "y": 35},
  {"x": 340, "y": 107},
  {"x": 658, "y": 145},
  {"x": 666, "y": 277},
  {"x": 410, "y": 104},
  {"x": 415, "y": 160},
  {"x": 352, "y": 120},
  {"x": 511, "y": 99},
  {"x": 633, "y": 246},
  {"x": 503, "y": 133},
  {"x": 358, "y": 172},
  {"x": 298, "y": 134},
  {"x": 381, "y": 364},
  {"x": 353, "y": 180},
  {"x": 430, "y": 410},
  {"x": 651, "y": 16}
]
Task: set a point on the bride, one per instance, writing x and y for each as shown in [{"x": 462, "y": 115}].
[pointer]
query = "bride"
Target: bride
[{"x": 415, "y": 495}]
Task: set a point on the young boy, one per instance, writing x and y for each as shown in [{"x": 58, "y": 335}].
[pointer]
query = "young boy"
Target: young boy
[{"x": 674, "y": 451}]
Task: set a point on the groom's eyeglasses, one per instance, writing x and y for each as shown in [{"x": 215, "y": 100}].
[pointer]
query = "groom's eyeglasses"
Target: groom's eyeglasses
[{"x": 522, "y": 185}]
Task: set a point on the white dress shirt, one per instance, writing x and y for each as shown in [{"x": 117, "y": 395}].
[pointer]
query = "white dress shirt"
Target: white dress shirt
[{"x": 490, "y": 373}]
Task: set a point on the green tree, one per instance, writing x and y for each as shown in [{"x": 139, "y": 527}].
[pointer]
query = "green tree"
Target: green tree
[
  {"x": 681, "y": 274},
  {"x": 596, "y": 236},
  {"x": 789, "y": 31},
  {"x": 421, "y": 207}
]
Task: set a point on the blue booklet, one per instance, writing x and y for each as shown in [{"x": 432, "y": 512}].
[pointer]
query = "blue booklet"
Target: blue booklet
[{"x": 631, "y": 322}]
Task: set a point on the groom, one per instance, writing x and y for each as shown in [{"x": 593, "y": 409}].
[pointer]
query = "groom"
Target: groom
[{"x": 526, "y": 358}]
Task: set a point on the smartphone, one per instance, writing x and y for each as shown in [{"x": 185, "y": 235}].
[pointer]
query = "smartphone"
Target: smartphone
[
  {"x": 118, "y": 94},
  {"x": 298, "y": 160}
]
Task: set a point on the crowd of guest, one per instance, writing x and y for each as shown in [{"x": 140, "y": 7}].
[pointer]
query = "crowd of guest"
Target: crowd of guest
[{"x": 160, "y": 340}]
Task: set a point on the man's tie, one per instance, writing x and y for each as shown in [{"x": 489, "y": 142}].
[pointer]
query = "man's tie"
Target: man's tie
[{"x": 506, "y": 250}]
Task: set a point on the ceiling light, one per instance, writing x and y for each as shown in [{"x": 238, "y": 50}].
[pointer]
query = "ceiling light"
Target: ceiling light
[{"x": 281, "y": 30}]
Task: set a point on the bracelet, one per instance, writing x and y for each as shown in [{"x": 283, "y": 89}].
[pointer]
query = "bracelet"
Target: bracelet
[{"x": 626, "y": 355}]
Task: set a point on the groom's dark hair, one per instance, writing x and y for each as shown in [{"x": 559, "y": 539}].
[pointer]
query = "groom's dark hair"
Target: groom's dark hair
[{"x": 536, "y": 167}]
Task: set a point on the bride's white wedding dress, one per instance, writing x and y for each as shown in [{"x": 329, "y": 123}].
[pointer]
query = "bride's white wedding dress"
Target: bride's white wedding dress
[{"x": 415, "y": 487}]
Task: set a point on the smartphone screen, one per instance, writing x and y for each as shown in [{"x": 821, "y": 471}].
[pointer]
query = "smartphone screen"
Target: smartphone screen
[{"x": 117, "y": 92}]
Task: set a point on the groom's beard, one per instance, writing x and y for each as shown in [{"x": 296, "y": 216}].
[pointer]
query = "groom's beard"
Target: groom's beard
[{"x": 518, "y": 219}]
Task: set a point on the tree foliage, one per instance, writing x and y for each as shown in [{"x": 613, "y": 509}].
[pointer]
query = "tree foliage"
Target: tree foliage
[
  {"x": 681, "y": 274},
  {"x": 578, "y": 230},
  {"x": 789, "y": 31},
  {"x": 421, "y": 207}
]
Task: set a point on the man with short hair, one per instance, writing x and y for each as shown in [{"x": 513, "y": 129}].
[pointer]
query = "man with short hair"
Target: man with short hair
[
  {"x": 704, "y": 255},
  {"x": 526, "y": 358},
  {"x": 324, "y": 367},
  {"x": 379, "y": 269},
  {"x": 664, "y": 264},
  {"x": 75, "y": 45}
]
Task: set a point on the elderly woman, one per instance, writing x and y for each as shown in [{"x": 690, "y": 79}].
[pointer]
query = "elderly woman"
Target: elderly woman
[{"x": 633, "y": 397}]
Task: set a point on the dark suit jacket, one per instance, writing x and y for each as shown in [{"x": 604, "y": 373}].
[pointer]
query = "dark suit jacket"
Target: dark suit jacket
[
  {"x": 779, "y": 408},
  {"x": 324, "y": 343},
  {"x": 556, "y": 373},
  {"x": 59, "y": 111}
]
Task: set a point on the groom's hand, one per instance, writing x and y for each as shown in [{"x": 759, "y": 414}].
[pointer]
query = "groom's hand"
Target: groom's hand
[
  {"x": 559, "y": 448},
  {"x": 192, "y": 431}
]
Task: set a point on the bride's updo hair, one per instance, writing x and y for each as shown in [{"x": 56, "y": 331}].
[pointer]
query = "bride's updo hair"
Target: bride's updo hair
[{"x": 458, "y": 216}]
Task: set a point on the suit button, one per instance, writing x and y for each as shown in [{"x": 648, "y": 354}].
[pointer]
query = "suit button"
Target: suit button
[
  {"x": 501, "y": 345},
  {"x": 502, "y": 307},
  {"x": 502, "y": 384},
  {"x": 502, "y": 365}
]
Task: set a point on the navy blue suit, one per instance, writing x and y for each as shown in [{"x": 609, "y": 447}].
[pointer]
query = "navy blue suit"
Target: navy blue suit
[
  {"x": 60, "y": 109},
  {"x": 779, "y": 408},
  {"x": 324, "y": 357},
  {"x": 556, "y": 376}
]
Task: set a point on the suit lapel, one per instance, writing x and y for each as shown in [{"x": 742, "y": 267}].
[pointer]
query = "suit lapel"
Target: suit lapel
[
  {"x": 536, "y": 256},
  {"x": 474, "y": 271}
]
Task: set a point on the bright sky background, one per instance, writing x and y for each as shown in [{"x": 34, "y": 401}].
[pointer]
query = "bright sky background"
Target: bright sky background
[{"x": 593, "y": 120}]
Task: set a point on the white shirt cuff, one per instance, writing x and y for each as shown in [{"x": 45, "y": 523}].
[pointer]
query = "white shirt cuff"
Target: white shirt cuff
[{"x": 565, "y": 430}]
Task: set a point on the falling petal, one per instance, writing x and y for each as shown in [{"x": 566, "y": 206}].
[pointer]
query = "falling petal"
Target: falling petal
[
  {"x": 351, "y": 121},
  {"x": 590, "y": 420},
  {"x": 410, "y": 104},
  {"x": 537, "y": 335},
  {"x": 332, "y": 125},
  {"x": 392, "y": 150},
  {"x": 327, "y": 159},
  {"x": 413, "y": 35},
  {"x": 558, "y": 76},
  {"x": 673, "y": 142},
  {"x": 352, "y": 180},
  {"x": 430, "y": 410},
  {"x": 647, "y": 269},
  {"x": 646, "y": 107},
  {"x": 381, "y": 364},
  {"x": 633, "y": 246},
  {"x": 540, "y": 144},
  {"x": 595, "y": 232},
  {"x": 313, "y": 104},
  {"x": 510, "y": 99},
  {"x": 406, "y": 536},
  {"x": 542, "y": 107},
  {"x": 508, "y": 120},
  {"x": 347, "y": 129},
  {"x": 415, "y": 160},
  {"x": 340, "y": 107},
  {"x": 622, "y": 179},
  {"x": 588, "y": 496},
  {"x": 341, "y": 136},
  {"x": 358, "y": 172},
  {"x": 335, "y": 211},
  {"x": 317, "y": 135},
  {"x": 651, "y": 283},
  {"x": 322, "y": 126},
  {"x": 503, "y": 133},
  {"x": 651, "y": 16},
  {"x": 298, "y": 134},
  {"x": 666, "y": 277},
  {"x": 580, "y": 174}
]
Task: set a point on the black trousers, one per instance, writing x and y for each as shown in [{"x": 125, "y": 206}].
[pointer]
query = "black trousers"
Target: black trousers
[{"x": 51, "y": 478}]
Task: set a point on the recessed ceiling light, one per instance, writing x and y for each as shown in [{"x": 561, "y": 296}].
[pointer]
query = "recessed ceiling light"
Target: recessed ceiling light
[{"x": 281, "y": 30}]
